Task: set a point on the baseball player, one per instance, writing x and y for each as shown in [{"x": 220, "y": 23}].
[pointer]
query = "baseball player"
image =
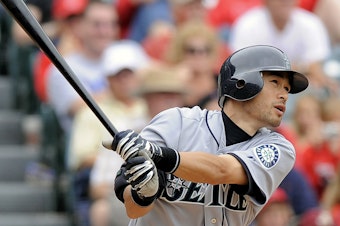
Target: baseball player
[{"x": 191, "y": 166}]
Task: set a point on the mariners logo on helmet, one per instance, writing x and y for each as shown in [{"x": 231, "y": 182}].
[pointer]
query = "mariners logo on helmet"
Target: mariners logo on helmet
[
  {"x": 268, "y": 155},
  {"x": 240, "y": 76}
]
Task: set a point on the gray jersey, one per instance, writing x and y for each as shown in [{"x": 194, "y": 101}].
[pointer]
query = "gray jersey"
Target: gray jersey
[{"x": 267, "y": 159}]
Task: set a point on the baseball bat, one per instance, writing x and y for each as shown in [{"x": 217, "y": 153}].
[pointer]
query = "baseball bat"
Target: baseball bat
[{"x": 20, "y": 12}]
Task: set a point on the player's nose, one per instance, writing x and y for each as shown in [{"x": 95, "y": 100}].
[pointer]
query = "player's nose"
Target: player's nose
[{"x": 283, "y": 96}]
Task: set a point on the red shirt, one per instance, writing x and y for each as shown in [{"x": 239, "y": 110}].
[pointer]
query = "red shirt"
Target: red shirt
[
  {"x": 319, "y": 165},
  {"x": 40, "y": 68},
  {"x": 227, "y": 11}
]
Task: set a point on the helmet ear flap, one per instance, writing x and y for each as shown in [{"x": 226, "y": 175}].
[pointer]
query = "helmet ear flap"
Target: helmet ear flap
[{"x": 244, "y": 86}]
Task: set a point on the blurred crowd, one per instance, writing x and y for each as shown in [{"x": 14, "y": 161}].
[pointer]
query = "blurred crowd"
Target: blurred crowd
[{"x": 139, "y": 57}]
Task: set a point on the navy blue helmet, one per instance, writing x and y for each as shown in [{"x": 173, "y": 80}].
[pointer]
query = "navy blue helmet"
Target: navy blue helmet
[{"x": 240, "y": 76}]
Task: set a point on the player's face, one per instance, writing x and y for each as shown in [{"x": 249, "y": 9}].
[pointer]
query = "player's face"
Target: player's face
[{"x": 268, "y": 107}]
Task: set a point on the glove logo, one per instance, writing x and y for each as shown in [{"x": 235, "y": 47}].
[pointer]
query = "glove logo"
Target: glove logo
[{"x": 268, "y": 154}]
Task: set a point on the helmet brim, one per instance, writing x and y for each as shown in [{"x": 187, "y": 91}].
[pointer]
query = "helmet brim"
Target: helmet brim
[{"x": 298, "y": 81}]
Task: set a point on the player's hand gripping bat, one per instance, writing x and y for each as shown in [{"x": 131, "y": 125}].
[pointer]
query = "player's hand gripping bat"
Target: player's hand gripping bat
[{"x": 20, "y": 12}]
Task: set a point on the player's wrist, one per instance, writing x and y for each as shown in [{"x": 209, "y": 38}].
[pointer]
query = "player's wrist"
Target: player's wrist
[
  {"x": 166, "y": 159},
  {"x": 141, "y": 200}
]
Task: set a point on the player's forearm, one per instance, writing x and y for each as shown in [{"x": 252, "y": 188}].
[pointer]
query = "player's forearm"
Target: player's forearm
[
  {"x": 212, "y": 169},
  {"x": 134, "y": 210}
]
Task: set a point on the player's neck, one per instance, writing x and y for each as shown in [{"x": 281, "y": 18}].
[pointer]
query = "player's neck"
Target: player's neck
[{"x": 240, "y": 119}]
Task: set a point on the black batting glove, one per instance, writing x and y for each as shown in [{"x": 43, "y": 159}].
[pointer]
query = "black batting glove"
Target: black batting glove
[
  {"x": 141, "y": 173},
  {"x": 129, "y": 144}
]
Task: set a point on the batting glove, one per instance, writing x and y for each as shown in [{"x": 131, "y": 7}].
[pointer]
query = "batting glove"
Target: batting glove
[
  {"x": 141, "y": 173},
  {"x": 121, "y": 182},
  {"x": 129, "y": 144}
]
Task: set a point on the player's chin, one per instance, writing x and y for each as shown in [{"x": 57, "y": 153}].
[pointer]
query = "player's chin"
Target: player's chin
[{"x": 275, "y": 122}]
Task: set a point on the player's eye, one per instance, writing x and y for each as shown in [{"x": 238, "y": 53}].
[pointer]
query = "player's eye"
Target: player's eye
[
  {"x": 274, "y": 81},
  {"x": 287, "y": 89}
]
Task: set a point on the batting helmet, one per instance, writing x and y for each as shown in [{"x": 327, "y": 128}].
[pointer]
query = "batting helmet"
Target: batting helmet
[{"x": 240, "y": 76}]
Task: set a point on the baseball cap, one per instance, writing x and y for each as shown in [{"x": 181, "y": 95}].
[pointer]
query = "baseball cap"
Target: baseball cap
[
  {"x": 126, "y": 54},
  {"x": 279, "y": 196},
  {"x": 161, "y": 79},
  {"x": 62, "y": 9}
]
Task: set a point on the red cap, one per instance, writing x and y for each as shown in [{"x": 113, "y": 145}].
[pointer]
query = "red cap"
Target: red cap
[
  {"x": 61, "y": 9},
  {"x": 279, "y": 195}
]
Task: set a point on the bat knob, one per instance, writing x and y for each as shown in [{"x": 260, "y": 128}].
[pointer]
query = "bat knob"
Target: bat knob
[{"x": 107, "y": 144}]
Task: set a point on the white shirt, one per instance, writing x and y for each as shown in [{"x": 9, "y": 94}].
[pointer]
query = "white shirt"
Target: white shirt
[
  {"x": 61, "y": 94},
  {"x": 304, "y": 39}
]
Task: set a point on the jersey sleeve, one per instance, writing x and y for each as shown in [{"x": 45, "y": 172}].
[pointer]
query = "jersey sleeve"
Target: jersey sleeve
[
  {"x": 164, "y": 129},
  {"x": 180, "y": 129},
  {"x": 266, "y": 163}
]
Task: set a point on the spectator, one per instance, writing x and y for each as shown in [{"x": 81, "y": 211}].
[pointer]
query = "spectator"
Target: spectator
[
  {"x": 197, "y": 47},
  {"x": 315, "y": 154},
  {"x": 225, "y": 12},
  {"x": 66, "y": 17},
  {"x": 301, "y": 194},
  {"x": 105, "y": 208},
  {"x": 140, "y": 16},
  {"x": 41, "y": 10},
  {"x": 22, "y": 50},
  {"x": 161, "y": 89},
  {"x": 321, "y": 157},
  {"x": 187, "y": 10},
  {"x": 121, "y": 61},
  {"x": 98, "y": 28},
  {"x": 299, "y": 33},
  {"x": 306, "y": 125},
  {"x": 327, "y": 11},
  {"x": 136, "y": 16},
  {"x": 331, "y": 117},
  {"x": 330, "y": 198},
  {"x": 331, "y": 109},
  {"x": 277, "y": 211},
  {"x": 160, "y": 32},
  {"x": 330, "y": 201}
]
